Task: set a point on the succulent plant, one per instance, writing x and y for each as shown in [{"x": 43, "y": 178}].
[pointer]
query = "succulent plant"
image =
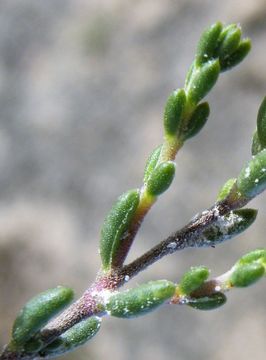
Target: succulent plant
[{"x": 42, "y": 329}]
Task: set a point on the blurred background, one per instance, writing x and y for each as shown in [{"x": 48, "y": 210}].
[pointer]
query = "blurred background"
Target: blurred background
[{"x": 82, "y": 90}]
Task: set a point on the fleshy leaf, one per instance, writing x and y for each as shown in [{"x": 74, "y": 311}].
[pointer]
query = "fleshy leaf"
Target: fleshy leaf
[
  {"x": 261, "y": 123},
  {"x": 226, "y": 189},
  {"x": 198, "y": 119},
  {"x": 208, "y": 43},
  {"x": 173, "y": 111},
  {"x": 210, "y": 302},
  {"x": 247, "y": 274},
  {"x": 38, "y": 311},
  {"x": 116, "y": 224},
  {"x": 252, "y": 178},
  {"x": 231, "y": 37},
  {"x": 258, "y": 255},
  {"x": 161, "y": 178},
  {"x": 202, "y": 81},
  {"x": 236, "y": 57},
  {"x": 193, "y": 279},
  {"x": 151, "y": 163},
  {"x": 256, "y": 145},
  {"x": 140, "y": 300},
  {"x": 76, "y": 336},
  {"x": 227, "y": 227}
]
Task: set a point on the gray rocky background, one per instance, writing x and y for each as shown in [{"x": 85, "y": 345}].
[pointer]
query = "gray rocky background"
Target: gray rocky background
[{"x": 82, "y": 88}]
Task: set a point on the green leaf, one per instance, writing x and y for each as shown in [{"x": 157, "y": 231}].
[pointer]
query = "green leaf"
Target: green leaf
[
  {"x": 210, "y": 302},
  {"x": 198, "y": 119},
  {"x": 261, "y": 123},
  {"x": 246, "y": 275},
  {"x": 252, "y": 178},
  {"x": 226, "y": 189},
  {"x": 76, "y": 336},
  {"x": 193, "y": 279},
  {"x": 208, "y": 43},
  {"x": 258, "y": 255},
  {"x": 38, "y": 311},
  {"x": 231, "y": 37},
  {"x": 140, "y": 300},
  {"x": 227, "y": 226},
  {"x": 202, "y": 81},
  {"x": 116, "y": 224},
  {"x": 256, "y": 145},
  {"x": 151, "y": 163},
  {"x": 161, "y": 178},
  {"x": 237, "y": 56},
  {"x": 173, "y": 111}
]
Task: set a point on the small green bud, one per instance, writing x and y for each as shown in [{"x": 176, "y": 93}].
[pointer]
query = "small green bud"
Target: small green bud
[
  {"x": 258, "y": 255},
  {"x": 173, "y": 111},
  {"x": 140, "y": 300},
  {"x": 38, "y": 311},
  {"x": 116, "y": 224},
  {"x": 231, "y": 38},
  {"x": 248, "y": 274},
  {"x": 252, "y": 179},
  {"x": 208, "y": 43},
  {"x": 161, "y": 178},
  {"x": 151, "y": 163},
  {"x": 202, "y": 81},
  {"x": 261, "y": 123},
  {"x": 197, "y": 121},
  {"x": 193, "y": 279},
  {"x": 226, "y": 189},
  {"x": 237, "y": 56},
  {"x": 210, "y": 302},
  {"x": 256, "y": 146},
  {"x": 76, "y": 336}
]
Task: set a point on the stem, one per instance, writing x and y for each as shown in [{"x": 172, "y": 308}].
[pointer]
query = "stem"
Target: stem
[
  {"x": 88, "y": 304},
  {"x": 181, "y": 239}
]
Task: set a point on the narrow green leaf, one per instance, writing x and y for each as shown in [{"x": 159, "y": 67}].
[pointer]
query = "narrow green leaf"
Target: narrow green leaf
[
  {"x": 208, "y": 302},
  {"x": 193, "y": 279},
  {"x": 208, "y": 43},
  {"x": 197, "y": 121},
  {"x": 246, "y": 275},
  {"x": 140, "y": 300},
  {"x": 261, "y": 123},
  {"x": 236, "y": 57},
  {"x": 161, "y": 178},
  {"x": 38, "y": 311},
  {"x": 151, "y": 163},
  {"x": 116, "y": 224},
  {"x": 252, "y": 179},
  {"x": 226, "y": 189},
  {"x": 202, "y": 81},
  {"x": 76, "y": 336},
  {"x": 173, "y": 111}
]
